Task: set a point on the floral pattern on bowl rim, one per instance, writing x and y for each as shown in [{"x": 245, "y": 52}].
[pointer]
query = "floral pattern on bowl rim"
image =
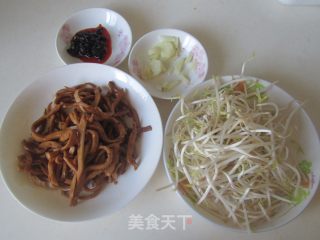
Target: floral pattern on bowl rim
[{"x": 119, "y": 29}]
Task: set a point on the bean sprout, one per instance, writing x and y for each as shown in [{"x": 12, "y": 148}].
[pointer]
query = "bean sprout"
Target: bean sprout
[{"x": 231, "y": 153}]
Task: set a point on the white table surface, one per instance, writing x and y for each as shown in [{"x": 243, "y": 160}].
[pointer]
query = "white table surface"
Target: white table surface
[{"x": 286, "y": 43}]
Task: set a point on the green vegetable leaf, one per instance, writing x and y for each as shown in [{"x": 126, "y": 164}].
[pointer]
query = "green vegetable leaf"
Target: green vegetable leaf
[
  {"x": 305, "y": 166},
  {"x": 179, "y": 65},
  {"x": 258, "y": 86},
  {"x": 300, "y": 195}
]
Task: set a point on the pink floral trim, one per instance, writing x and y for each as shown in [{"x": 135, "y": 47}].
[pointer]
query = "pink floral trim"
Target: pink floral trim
[
  {"x": 136, "y": 67},
  {"x": 123, "y": 46},
  {"x": 199, "y": 58},
  {"x": 65, "y": 34}
]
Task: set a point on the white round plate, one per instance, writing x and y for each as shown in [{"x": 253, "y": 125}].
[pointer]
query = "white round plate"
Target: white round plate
[
  {"x": 117, "y": 26},
  {"x": 309, "y": 141},
  {"x": 189, "y": 45},
  {"x": 29, "y": 106}
]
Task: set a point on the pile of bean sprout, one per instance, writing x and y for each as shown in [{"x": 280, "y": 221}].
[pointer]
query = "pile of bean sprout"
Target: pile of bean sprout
[{"x": 231, "y": 154}]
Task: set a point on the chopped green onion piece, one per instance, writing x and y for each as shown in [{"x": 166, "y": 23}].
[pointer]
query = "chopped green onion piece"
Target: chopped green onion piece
[
  {"x": 179, "y": 64},
  {"x": 169, "y": 85},
  {"x": 154, "y": 52},
  {"x": 173, "y": 39},
  {"x": 188, "y": 58},
  {"x": 168, "y": 51},
  {"x": 157, "y": 67},
  {"x": 184, "y": 78},
  {"x": 164, "y": 57},
  {"x": 147, "y": 72}
]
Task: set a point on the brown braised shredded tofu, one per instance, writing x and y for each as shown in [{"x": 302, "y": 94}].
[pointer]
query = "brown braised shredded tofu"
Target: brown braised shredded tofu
[{"x": 84, "y": 140}]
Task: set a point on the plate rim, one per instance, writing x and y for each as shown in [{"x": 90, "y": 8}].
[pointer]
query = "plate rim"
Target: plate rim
[
  {"x": 40, "y": 78},
  {"x": 209, "y": 82}
]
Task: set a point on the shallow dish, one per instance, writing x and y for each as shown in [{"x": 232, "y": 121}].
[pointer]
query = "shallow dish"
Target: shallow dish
[
  {"x": 308, "y": 140},
  {"x": 117, "y": 26},
  {"x": 29, "y": 106},
  {"x": 189, "y": 45}
]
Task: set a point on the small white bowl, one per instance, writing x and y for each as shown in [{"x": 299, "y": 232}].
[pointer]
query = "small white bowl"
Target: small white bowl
[
  {"x": 29, "y": 105},
  {"x": 308, "y": 140},
  {"x": 189, "y": 45},
  {"x": 117, "y": 26}
]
